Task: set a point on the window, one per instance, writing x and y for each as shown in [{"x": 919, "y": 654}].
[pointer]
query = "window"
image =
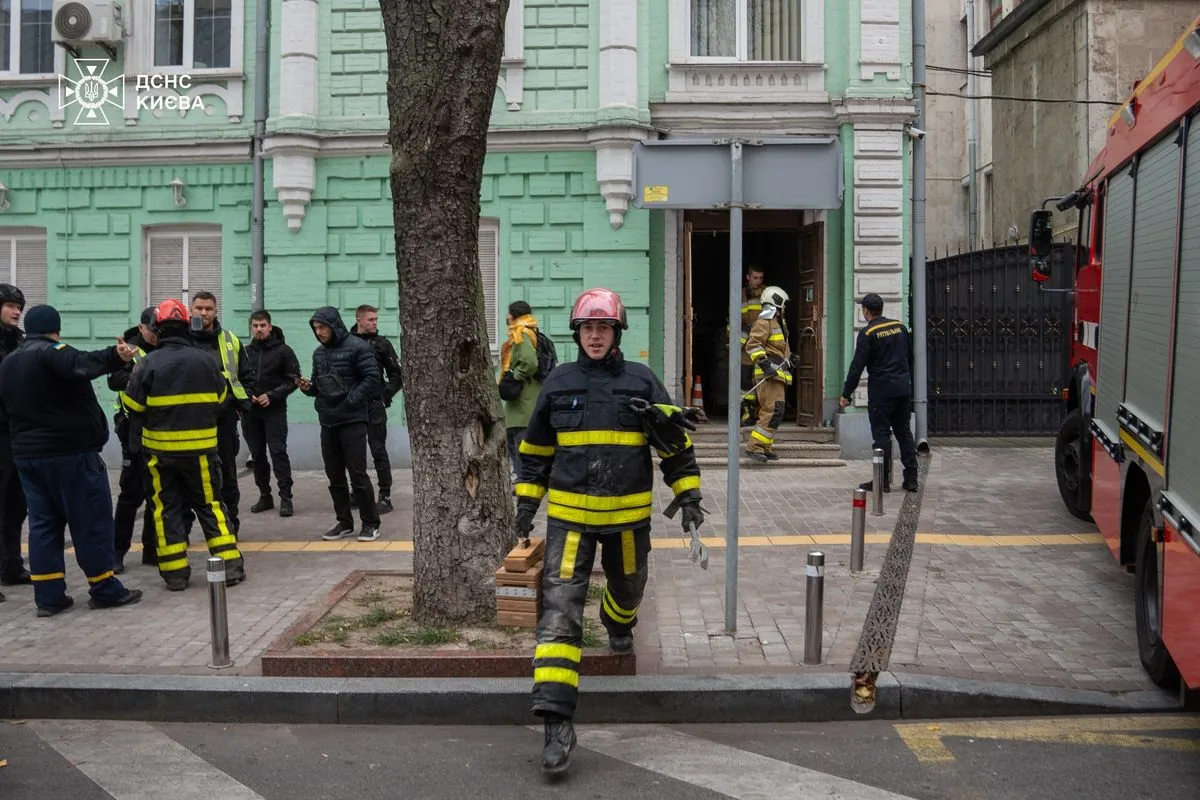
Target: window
[
  {"x": 23, "y": 263},
  {"x": 995, "y": 10},
  {"x": 25, "y": 46},
  {"x": 489, "y": 270},
  {"x": 746, "y": 30},
  {"x": 194, "y": 34},
  {"x": 181, "y": 262}
]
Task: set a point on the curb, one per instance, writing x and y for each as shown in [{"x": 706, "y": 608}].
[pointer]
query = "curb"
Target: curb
[{"x": 658, "y": 699}]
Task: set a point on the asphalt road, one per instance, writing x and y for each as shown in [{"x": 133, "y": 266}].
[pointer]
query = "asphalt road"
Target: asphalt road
[{"x": 1123, "y": 758}]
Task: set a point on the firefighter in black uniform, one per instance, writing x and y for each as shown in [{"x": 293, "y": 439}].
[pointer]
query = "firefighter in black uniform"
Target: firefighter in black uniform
[
  {"x": 885, "y": 350},
  {"x": 12, "y": 496},
  {"x": 132, "y": 488},
  {"x": 175, "y": 396},
  {"x": 587, "y": 450}
]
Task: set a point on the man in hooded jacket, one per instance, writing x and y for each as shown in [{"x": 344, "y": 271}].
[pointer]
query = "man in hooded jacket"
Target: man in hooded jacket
[
  {"x": 345, "y": 377},
  {"x": 12, "y": 496},
  {"x": 266, "y": 426}
]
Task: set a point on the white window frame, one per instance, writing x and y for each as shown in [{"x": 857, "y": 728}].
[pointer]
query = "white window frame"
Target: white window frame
[
  {"x": 185, "y": 232},
  {"x": 24, "y": 234},
  {"x": 15, "y": 75},
  {"x": 812, "y": 35},
  {"x": 140, "y": 43},
  {"x": 491, "y": 225}
]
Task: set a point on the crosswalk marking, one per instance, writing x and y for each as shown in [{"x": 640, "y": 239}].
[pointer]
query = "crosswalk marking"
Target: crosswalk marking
[
  {"x": 117, "y": 757},
  {"x": 719, "y": 768}
]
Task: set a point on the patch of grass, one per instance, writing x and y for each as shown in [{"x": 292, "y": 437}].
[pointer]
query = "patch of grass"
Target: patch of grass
[
  {"x": 377, "y": 616},
  {"x": 337, "y": 629},
  {"x": 316, "y": 636},
  {"x": 371, "y": 598},
  {"x": 595, "y": 592},
  {"x": 425, "y": 637},
  {"x": 484, "y": 644},
  {"x": 591, "y": 633}
]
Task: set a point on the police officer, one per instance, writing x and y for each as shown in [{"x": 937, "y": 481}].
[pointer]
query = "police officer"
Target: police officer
[
  {"x": 175, "y": 396},
  {"x": 366, "y": 327},
  {"x": 132, "y": 488},
  {"x": 885, "y": 350},
  {"x": 587, "y": 451},
  {"x": 12, "y": 496},
  {"x": 58, "y": 430},
  {"x": 226, "y": 350}
]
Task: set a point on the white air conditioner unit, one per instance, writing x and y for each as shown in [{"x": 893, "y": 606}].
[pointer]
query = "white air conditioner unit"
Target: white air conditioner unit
[{"x": 79, "y": 21}]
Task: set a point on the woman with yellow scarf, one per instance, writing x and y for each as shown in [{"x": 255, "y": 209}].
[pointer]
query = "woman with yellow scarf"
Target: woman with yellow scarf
[{"x": 519, "y": 386}]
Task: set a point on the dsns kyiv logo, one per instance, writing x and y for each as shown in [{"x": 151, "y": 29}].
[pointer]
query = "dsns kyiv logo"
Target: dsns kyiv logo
[{"x": 91, "y": 92}]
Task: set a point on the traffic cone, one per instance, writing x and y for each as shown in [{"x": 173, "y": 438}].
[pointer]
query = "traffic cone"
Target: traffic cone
[{"x": 698, "y": 393}]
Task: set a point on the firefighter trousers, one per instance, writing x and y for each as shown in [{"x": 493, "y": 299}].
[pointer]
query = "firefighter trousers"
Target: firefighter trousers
[
  {"x": 566, "y": 576},
  {"x": 130, "y": 496},
  {"x": 180, "y": 482},
  {"x": 770, "y": 416}
]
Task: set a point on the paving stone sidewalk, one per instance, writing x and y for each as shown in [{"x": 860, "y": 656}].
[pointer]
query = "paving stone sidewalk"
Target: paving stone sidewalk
[{"x": 1017, "y": 610}]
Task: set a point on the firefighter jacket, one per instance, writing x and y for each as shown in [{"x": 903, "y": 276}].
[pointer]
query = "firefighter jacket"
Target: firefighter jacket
[
  {"x": 751, "y": 306},
  {"x": 586, "y": 452},
  {"x": 231, "y": 359},
  {"x": 174, "y": 397},
  {"x": 275, "y": 368},
  {"x": 10, "y": 337},
  {"x": 884, "y": 349},
  {"x": 768, "y": 345},
  {"x": 118, "y": 380},
  {"x": 46, "y": 398},
  {"x": 389, "y": 364},
  {"x": 345, "y": 374}
]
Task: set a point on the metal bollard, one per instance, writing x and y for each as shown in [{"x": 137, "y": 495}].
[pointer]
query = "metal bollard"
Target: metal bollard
[
  {"x": 877, "y": 483},
  {"x": 858, "y": 530},
  {"x": 218, "y": 614},
  {"x": 814, "y": 611}
]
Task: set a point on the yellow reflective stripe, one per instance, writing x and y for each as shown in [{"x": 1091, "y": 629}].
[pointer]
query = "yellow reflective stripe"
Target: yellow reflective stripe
[
  {"x": 581, "y": 517},
  {"x": 775, "y": 337},
  {"x": 186, "y": 399},
  {"x": 160, "y": 529},
  {"x": 214, "y": 502},
  {"x": 756, "y": 351},
  {"x": 103, "y": 576},
  {"x": 171, "y": 566},
  {"x": 600, "y": 503},
  {"x": 683, "y": 484},
  {"x": 527, "y": 449},
  {"x": 556, "y": 675},
  {"x": 751, "y": 307},
  {"x": 228, "y": 555},
  {"x": 882, "y": 325},
  {"x": 48, "y": 576},
  {"x": 530, "y": 490},
  {"x": 628, "y": 553},
  {"x": 190, "y": 446},
  {"x": 615, "y": 611},
  {"x": 173, "y": 549},
  {"x": 217, "y": 541},
  {"x": 568, "y": 651},
  {"x": 228, "y": 349},
  {"x": 178, "y": 436},
  {"x": 580, "y": 438},
  {"x": 761, "y": 437},
  {"x": 566, "y": 567},
  {"x": 131, "y": 404}
]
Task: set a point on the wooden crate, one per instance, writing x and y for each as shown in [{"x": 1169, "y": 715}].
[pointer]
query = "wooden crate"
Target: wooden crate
[
  {"x": 519, "y": 596},
  {"x": 523, "y": 559}
]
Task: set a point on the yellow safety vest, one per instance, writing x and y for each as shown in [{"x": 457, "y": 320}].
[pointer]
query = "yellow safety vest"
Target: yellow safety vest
[
  {"x": 120, "y": 404},
  {"x": 229, "y": 347}
]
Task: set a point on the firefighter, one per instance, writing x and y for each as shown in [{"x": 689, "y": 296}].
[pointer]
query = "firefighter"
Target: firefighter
[
  {"x": 175, "y": 397},
  {"x": 12, "y": 496},
  {"x": 884, "y": 349},
  {"x": 767, "y": 347},
  {"x": 132, "y": 490},
  {"x": 751, "y": 306},
  {"x": 586, "y": 450}
]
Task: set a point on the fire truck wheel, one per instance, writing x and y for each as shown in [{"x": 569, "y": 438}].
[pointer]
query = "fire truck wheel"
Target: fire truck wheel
[
  {"x": 1070, "y": 467},
  {"x": 1148, "y": 606}
]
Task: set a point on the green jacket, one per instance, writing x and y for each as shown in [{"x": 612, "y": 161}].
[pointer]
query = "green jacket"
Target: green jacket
[{"x": 524, "y": 365}]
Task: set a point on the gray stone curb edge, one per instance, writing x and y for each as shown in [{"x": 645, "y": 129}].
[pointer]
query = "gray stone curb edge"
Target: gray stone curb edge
[{"x": 819, "y": 697}]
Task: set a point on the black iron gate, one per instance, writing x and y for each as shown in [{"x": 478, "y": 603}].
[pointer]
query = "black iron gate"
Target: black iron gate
[{"x": 999, "y": 347}]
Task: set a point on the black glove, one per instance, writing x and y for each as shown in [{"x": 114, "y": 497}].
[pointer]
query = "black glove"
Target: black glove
[
  {"x": 693, "y": 514},
  {"x": 694, "y": 414},
  {"x": 663, "y": 425},
  {"x": 767, "y": 368},
  {"x": 523, "y": 523}
]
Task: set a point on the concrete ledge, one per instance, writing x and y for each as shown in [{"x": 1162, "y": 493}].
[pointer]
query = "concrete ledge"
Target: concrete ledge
[{"x": 662, "y": 699}]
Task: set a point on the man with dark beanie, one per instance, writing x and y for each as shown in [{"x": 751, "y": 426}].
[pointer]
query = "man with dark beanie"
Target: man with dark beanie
[
  {"x": 12, "y": 496},
  {"x": 57, "y": 430}
]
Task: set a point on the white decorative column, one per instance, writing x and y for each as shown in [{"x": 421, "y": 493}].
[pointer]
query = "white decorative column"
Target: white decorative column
[
  {"x": 294, "y": 154},
  {"x": 615, "y": 135},
  {"x": 879, "y": 32},
  {"x": 512, "y": 62}
]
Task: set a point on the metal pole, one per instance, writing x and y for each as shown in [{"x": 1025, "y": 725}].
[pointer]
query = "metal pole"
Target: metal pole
[
  {"x": 262, "y": 106},
  {"x": 877, "y": 483},
  {"x": 735, "y": 387},
  {"x": 814, "y": 612},
  {"x": 920, "y": 354},
  {"x": 858, "y": 530},
  {"x": 218, "y": 614}
]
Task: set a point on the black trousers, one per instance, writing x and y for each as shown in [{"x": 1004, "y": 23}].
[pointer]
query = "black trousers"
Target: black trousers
[
  {"x": 266, "y": 431},
  {"x": 12, "y": 517},
  {"x": 228, "y": 444},
  {"x": 377, "y": 439},
  {"x": 344, "y": 450},
  {"x": 131, "y": 494},
  {"x": 888, "y": 416},
  {"x": 514, "y": 437}
]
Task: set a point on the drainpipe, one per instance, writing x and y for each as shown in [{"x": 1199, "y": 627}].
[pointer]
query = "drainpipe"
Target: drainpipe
[
  {"x": 262, "y": 33},
  {"x": 920, "y": 353},
  {"x": 972, "y": 136}
]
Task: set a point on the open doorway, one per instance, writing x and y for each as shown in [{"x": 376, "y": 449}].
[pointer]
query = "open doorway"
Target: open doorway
[{"x": 791, "y": 257}]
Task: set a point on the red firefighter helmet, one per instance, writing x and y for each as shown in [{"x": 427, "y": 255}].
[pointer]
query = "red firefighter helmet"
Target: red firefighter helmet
[
  {"x": 171, "y": 310},
  {"x": 599, "y": 304}
]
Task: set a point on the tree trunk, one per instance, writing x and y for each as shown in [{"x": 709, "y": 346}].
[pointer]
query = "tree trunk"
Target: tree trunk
[{"x": 443, "y": 65}]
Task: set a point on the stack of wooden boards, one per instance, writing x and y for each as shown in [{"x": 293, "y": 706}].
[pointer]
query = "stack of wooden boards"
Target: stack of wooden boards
[{"x": 519, "y": 585}]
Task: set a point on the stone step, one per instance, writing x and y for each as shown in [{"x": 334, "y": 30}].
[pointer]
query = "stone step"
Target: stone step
[
  {"x": 794, "y": 463},
  {"x": 796, "y": 450},
  {"x": 720, "y": 432}
]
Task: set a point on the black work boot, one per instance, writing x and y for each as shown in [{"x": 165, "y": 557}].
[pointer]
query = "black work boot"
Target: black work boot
[
  {"x": 560, "y": 740},
  {"x": 176, "y": 583},
  {"x": 755, "y": 455},
  {"x": 910, "y": 481},
  {"x": 265, "y": 503},
  {"x": 22, "y": 578},
  {"x": 285, "y": 507},
  {"x": 620, "y": 644}
]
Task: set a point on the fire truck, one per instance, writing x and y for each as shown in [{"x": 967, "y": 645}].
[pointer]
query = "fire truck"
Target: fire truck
[{"x": 1128, "y": 453}]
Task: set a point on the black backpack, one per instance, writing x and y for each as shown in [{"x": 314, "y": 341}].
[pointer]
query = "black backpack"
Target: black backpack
[{"x": 547, "y": 356}]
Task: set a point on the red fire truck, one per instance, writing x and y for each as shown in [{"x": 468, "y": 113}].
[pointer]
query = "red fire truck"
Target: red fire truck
[{"x": 1128, "y": 453}]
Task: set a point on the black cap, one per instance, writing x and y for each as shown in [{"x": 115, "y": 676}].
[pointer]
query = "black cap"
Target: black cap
[
  {"x": 148, "y": 316},
  {"x": 873, "y": 303}
]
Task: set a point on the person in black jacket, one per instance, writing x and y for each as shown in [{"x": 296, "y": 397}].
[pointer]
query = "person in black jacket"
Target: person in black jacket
[
  {"x": 58, "y": 430},
  {"x": 885, "y": 350},
  {"x": 12, "y": 496},
  {"x": 275, "y": 369},
  {"x": 366, "y": 327},
  {"x": 587, "y": 451},
  {"x": 345, "y": 376},
  {"x": 132, "y": 486}
]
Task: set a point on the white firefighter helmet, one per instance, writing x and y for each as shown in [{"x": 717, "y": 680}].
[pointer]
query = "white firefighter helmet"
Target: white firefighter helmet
[{"x": 775, "y": 296}]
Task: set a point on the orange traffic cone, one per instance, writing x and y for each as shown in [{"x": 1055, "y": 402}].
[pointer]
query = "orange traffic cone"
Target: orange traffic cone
[{"x": 698, "y": 393}]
